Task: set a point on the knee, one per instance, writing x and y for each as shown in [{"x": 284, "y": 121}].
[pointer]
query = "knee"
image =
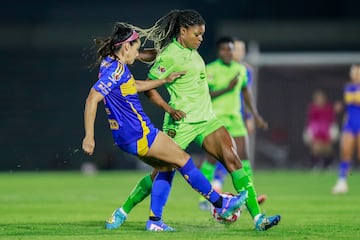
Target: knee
[
  {"x": 153, "y": 174},
  {"x": 181, "y": 159}
]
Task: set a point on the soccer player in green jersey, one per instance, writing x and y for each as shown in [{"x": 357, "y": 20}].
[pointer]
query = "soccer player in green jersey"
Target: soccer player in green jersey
[
  {"x": 225, "y": 87},
  {"x": 189, "y": 115}
]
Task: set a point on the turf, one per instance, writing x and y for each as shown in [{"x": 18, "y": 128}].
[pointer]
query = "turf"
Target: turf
[{"x": 69, "y": 205}]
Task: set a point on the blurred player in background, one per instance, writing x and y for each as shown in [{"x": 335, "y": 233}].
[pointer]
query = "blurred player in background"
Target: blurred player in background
[
  {"x": 321, "y": 131},
  {"x": 350, "y": 136},
  {"x": 131, "y": 128},
  {"x": 238, "y": 125}
]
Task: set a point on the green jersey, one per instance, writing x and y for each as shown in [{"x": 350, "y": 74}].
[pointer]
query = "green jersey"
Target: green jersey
[
  {"x": 189, "y": 93},
  {"x": 219, "y": 75}
]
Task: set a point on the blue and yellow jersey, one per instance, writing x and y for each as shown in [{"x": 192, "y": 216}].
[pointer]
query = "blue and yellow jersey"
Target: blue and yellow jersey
[
  {"x": 352, "y": 99},
  {"x": 352, "y": 102},
  {"x": 127, "y": 119}
]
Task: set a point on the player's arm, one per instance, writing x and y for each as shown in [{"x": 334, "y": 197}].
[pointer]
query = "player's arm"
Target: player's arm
[
  {"x": 157, "y": 99},
  {"x": 231, "y": 85},
  {"x": 142, "y": 86},
  {"x": 92, "y": 101},
  {"x": 260, "y": 122}
]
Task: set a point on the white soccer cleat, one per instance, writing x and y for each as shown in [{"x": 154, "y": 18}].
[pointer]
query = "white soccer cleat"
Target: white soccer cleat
[{"x": 340, "y": 187}]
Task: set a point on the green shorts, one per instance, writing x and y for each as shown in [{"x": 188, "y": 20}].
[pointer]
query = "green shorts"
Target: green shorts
[
  {"x": 184, "y": 133},
  {"x": 234, "y": 124}
]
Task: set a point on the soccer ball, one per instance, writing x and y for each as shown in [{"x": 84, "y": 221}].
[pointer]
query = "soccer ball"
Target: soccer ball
[{"x": 230, "y": 219}]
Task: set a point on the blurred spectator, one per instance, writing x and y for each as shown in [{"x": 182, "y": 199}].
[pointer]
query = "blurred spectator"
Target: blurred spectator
[{"x": 321, "y": 130}]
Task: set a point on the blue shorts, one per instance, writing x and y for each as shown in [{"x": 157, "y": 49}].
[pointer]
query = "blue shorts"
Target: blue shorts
[
  {"x": 141, "y": 146},
  {"x": 352, "y": 126}
]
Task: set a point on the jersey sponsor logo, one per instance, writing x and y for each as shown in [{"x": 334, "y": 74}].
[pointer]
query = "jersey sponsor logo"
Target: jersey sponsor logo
[
  {"x": 171, "y": 133},
  {"x": 161, "y": 69},
  {"x": 116, "y": 75}
]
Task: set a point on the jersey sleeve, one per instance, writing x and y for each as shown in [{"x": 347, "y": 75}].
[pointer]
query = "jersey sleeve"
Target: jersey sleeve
[
  {"x": 244, "y": 80},
  {"x": 162, "y": 67},
  {"x": 210, "y": 77},
  {"x": 110, "y": 78}
]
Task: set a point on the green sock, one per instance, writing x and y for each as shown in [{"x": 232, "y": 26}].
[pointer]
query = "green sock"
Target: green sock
[
  {"x": 247, "y": 167},
  {"x": 242, "y": 181},
  {"x": 208, "y": 170},
  {"x": 139, "y": 193}
]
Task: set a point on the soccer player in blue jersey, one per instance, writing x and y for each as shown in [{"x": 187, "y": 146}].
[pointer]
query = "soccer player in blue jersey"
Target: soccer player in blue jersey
[
  {"x": 131, "y": 128},
  {"x": 350, "y": 136}
]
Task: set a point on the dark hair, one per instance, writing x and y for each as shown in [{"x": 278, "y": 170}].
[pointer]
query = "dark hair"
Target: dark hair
[
  {"x": 106, "y": 47},
  {"x": 223, "y": 40},
  {"x": 170, "y": 24},
  {"x": 168, "y": 27},
  {"x": 161, "y": 33}
]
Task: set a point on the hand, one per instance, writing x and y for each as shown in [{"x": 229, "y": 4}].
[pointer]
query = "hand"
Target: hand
[
  {"x": 174, "y": 76},
  {"x": 338, "y": 107},
  {"x": 233, "y": 82},
  {"x": 260, "y": 122},
  {"x": 177, "y": 114},
  {"x": 88, "y": 145}
]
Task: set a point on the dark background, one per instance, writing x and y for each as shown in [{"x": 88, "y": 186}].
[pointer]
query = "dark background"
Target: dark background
[{"x": 45, "y": 50}]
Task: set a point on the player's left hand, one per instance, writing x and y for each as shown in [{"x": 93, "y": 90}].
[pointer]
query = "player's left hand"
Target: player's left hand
[
  {"x": 173, "y": 76},
  {"x": 88, "y": 145}
]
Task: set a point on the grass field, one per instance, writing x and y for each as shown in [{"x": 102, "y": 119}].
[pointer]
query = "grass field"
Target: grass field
[{"x": 69, "y": 205}]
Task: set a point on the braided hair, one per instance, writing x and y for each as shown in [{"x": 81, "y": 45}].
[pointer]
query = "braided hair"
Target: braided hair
[
  {"x": 168, "y": 27},
  {"x": 161, "y": 33}
]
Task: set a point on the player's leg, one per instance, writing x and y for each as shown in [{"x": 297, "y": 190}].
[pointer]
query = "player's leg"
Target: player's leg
[
  {"x": 317, "y": 158},
  {"x": 166, "y": 150},
  {"x": 219, "y": 176},
  {"x": 141, "y": 190},
  {"x": 220, "y": 144},
  {"x": 207, "y": 168},
  {"x": 159, "y": 196},
  {"x": 241, "y": 145},
  {"x": 358, "y": 146},
  {"x": 328, "y": 154},
  {"x": 347, "y": 147},
  {"x": 236, "y": 127}
]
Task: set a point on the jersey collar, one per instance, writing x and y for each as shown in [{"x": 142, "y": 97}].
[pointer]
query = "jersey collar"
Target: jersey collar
[
  {"x": 179, "y": 45},
  {"x": 222, "y": 63}
]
